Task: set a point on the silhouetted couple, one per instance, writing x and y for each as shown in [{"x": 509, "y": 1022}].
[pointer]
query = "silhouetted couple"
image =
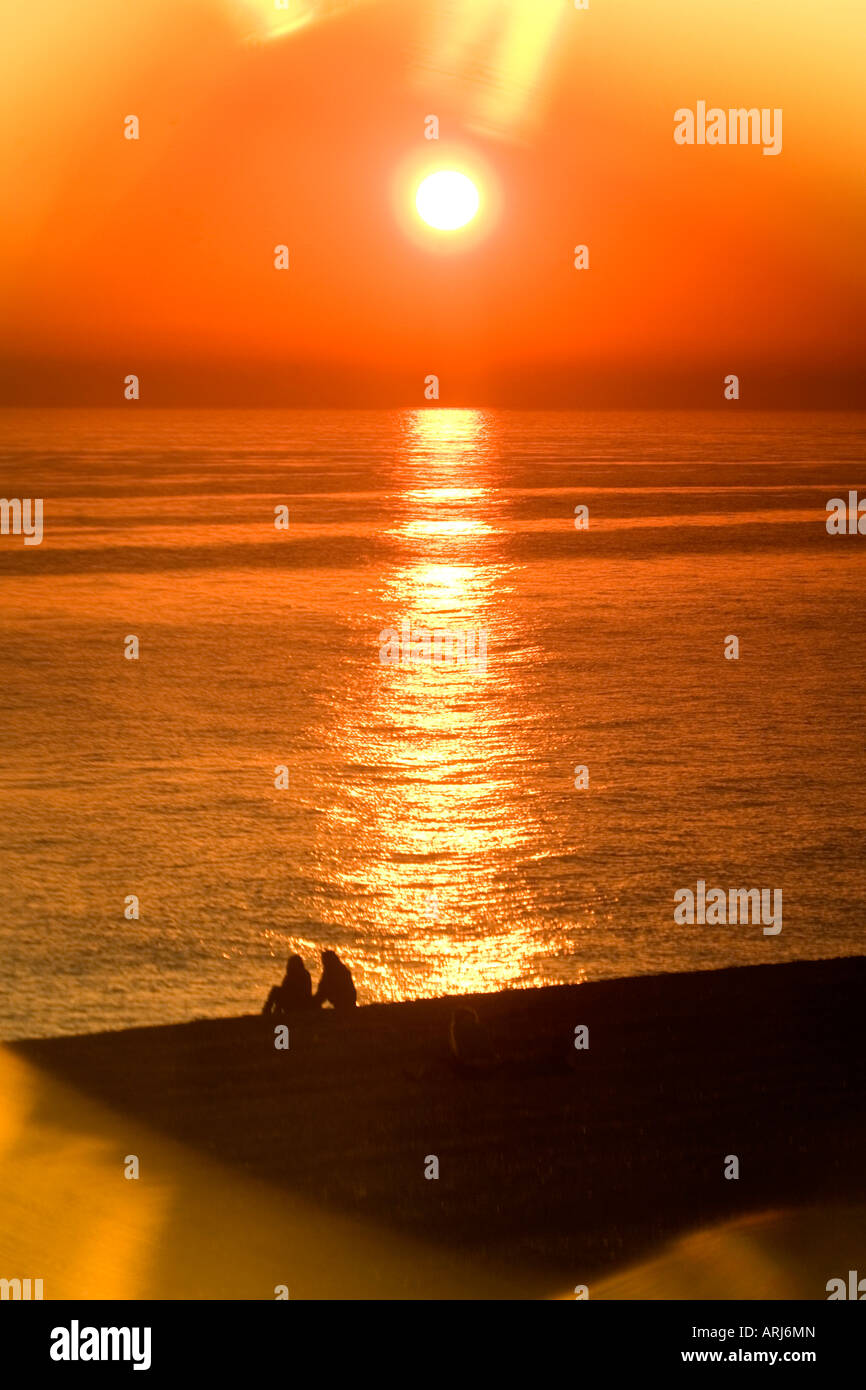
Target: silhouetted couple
[{"x": 296, "y": 992}]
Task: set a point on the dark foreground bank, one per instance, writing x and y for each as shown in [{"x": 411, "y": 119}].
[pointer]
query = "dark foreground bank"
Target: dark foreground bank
[{"x": 553, "y": 1158}]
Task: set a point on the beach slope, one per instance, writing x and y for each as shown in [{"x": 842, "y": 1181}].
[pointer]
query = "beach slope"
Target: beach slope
[{"x": 556, "y": 1165}]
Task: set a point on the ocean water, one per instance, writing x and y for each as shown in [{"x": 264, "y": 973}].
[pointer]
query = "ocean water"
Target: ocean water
[{"x": 431, "y": 831}]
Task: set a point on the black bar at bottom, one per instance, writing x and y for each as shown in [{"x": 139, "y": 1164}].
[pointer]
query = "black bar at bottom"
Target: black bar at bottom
[{"x": 248, "y": 1339}]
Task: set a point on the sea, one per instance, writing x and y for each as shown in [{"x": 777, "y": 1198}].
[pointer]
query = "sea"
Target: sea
[{"x": 218, "y": 748}]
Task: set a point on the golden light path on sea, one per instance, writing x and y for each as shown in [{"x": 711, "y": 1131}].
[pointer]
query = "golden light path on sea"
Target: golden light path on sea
[{"x": 452, "y": 815}]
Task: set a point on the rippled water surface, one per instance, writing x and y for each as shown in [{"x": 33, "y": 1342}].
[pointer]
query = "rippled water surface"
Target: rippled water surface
[{"x": 431, "y": 830}]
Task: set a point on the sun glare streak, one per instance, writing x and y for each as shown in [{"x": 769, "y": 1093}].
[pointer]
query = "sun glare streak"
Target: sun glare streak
[
  {"x": 490, "y": 56},
  {"x": 275, "y": 20}
]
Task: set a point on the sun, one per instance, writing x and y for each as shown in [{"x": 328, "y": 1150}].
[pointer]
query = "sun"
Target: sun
[{"x": 447, "y": 200}]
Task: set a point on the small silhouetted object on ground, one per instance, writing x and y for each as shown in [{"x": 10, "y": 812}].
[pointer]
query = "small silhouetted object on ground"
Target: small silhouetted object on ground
[
  {"x": 470, "y": 1045},
  {"x": 336, "y": 985},
  {"x": 296, "y": 991}
]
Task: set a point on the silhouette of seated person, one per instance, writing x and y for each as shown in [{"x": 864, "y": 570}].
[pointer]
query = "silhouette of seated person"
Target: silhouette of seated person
[
  {"x": 336, "y": 985},
  {"x": 296, "y": 991}
]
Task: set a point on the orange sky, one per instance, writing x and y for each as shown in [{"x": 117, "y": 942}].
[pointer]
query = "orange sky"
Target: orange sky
[{"x": 156, "y": 256}]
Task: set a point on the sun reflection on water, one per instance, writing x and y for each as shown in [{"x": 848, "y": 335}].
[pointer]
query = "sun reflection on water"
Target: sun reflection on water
[{"x": 444, "y": 817}]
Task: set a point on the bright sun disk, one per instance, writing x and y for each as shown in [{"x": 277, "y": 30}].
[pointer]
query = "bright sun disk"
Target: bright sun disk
[{"x": 447, "y": 200}]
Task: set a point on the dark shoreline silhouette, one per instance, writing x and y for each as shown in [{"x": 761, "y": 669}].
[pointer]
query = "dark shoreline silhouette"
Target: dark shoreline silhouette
[{"x": 568, "y": 1166}]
